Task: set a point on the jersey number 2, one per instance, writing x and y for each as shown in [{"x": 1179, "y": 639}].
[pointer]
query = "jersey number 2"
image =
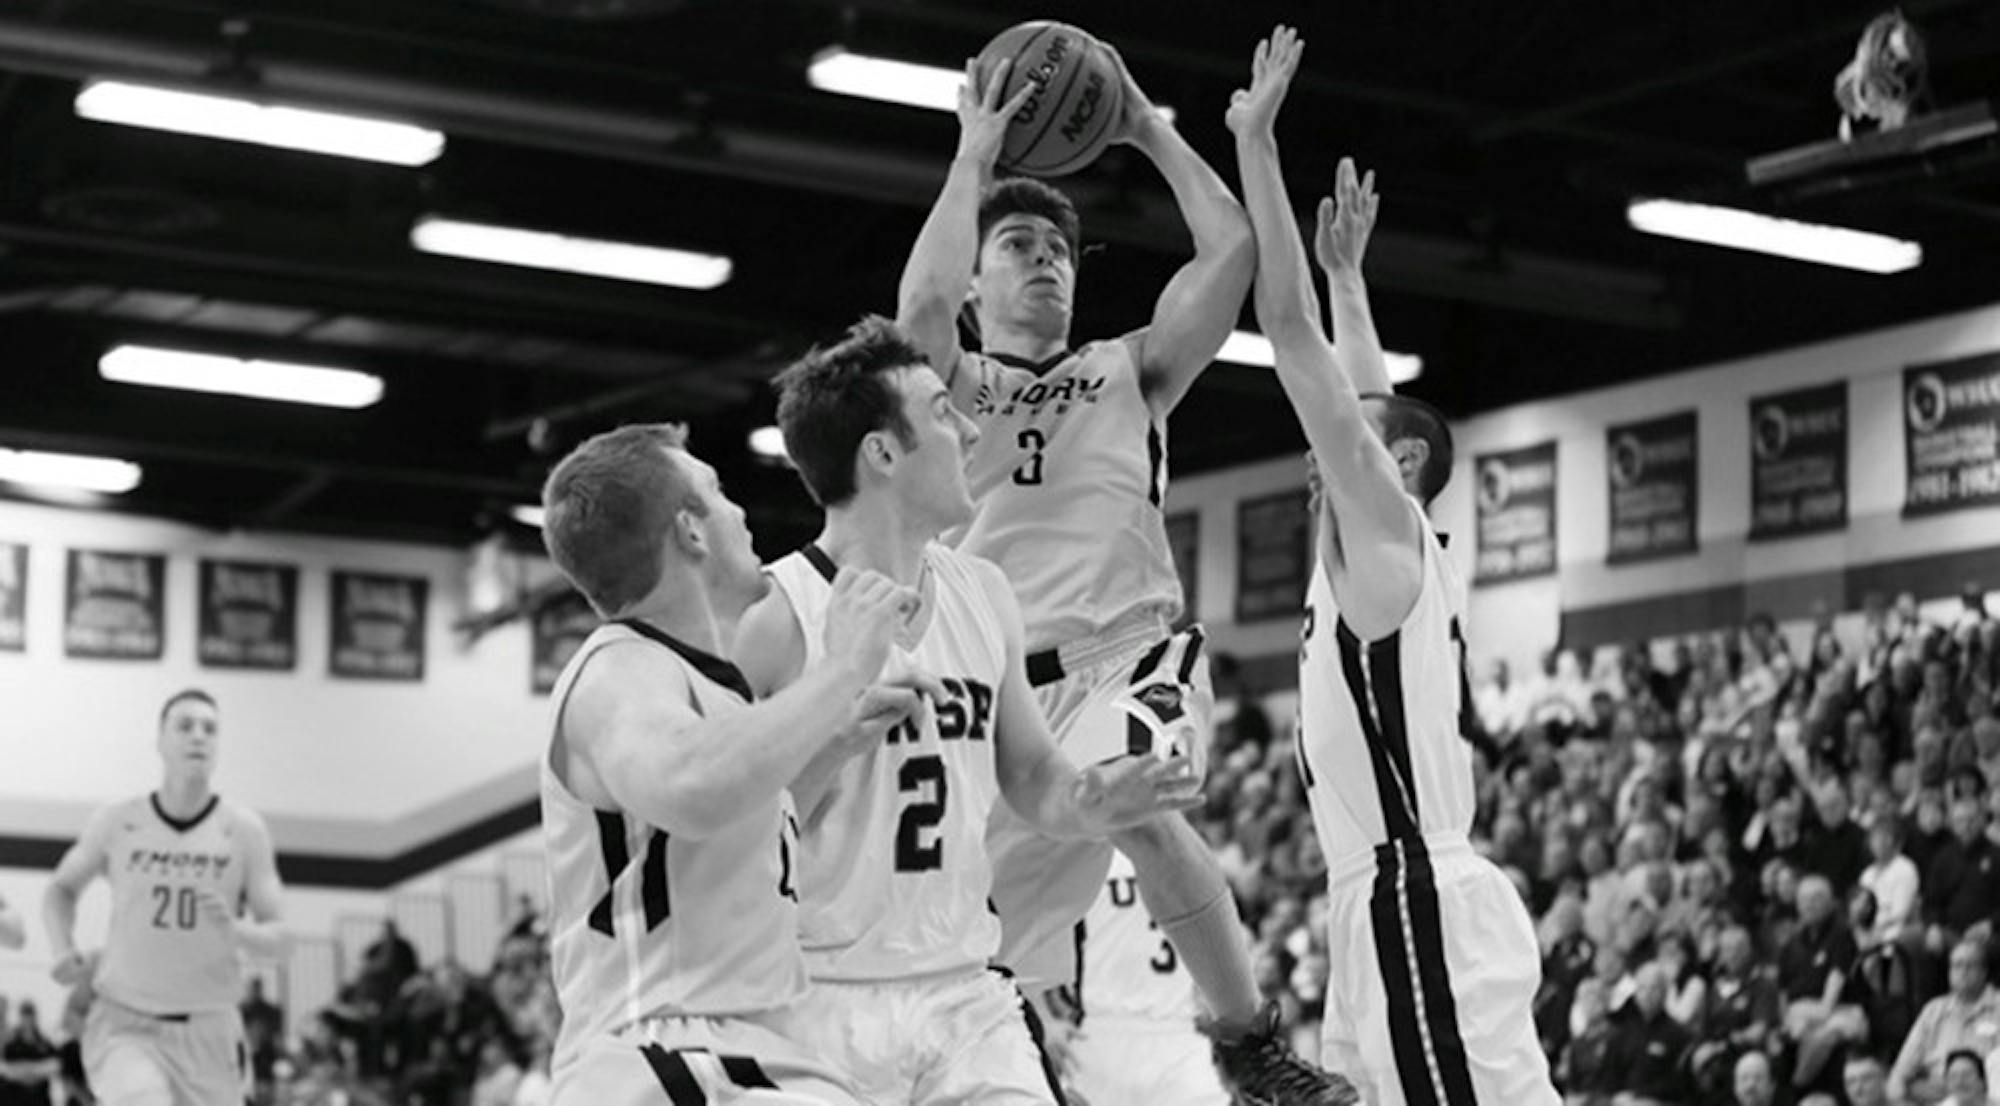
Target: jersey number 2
[
  {"x": 912, "y": 854},
  {"x": 180, "y": 903},
  {"x": 1030, "y": 472}
]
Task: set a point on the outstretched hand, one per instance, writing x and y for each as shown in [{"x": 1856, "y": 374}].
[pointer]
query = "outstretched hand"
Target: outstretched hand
[
  {"x": 1346, "y": 219},
  {"x": 1136, "y": 112},
  {"x": 982, "y": 117},
  {"x": 1129, "y": 790},
  {"x": 1254, "y": 110}
]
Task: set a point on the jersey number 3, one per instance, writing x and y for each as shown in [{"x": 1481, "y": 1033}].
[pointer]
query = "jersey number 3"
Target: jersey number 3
[
  {"x": 1030, "y": 472},
  {"x": 925, "y": 776}
]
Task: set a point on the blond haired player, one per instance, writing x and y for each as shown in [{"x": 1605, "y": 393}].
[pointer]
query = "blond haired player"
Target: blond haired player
[
  {"x": 895, "y": 916},
  {"x": 1068, "y": 473},
  {"x": 672, "y": 845},
  {"x": 1135, "y": 1042},
  {"x": 1433, "y": 1006},
  {"x": 183, "y": 865}
]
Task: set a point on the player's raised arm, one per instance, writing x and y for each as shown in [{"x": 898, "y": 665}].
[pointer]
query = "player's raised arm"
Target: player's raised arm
[
  {"x": 1041, "y": 785},
  {"x": 1200, "y": 305},
  {"x": 634, "y": 725},
  {"x": 1340, "y": 239},
  {"x": 938, "y": 273},
  {"x": 1376, "y": 520},
  {"x": 83, "y": 862}
]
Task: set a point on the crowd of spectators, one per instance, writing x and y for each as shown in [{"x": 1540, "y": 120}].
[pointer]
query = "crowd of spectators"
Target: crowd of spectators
[{"x": 1763, "y": 866}]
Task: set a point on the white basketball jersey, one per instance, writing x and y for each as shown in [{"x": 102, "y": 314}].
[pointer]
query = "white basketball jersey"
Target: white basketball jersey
[
  {"x": 1069, "y": 473},
  {"x": 647, "y": 924},
  {"x": 895, "y": 875},
  {"x": 1381, "y": 741},
  {"x": 162, "y": 955},
  {"x": 1129, "y": 971}
]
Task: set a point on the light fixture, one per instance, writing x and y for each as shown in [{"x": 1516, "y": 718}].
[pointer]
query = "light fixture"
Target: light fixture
[
  {"x": 529, "y": 514},
  {"x": 537, "y": 249},
  {"x": 769, "y": 442},
  {"x": 258, "y": 379},
  {"x": 240, "y": 120},
  {"x": 835, "y": 69},
  {"x": 72, "y": 471},
  {"x": 1244, "y": 347},
  {"x": 1748, "y": 230}
]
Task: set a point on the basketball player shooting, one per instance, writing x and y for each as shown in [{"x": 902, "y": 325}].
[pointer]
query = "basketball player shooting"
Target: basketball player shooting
[
  {"x": 1440, "y": 962},
  {"x": 1068, "y": 474},
  {"x": 895, "y": 879},
  {"x": 182, "y": 863}
]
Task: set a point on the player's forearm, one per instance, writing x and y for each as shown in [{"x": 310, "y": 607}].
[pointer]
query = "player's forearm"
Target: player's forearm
[
  {"x": 940, "y": 263},
  {"x": 739, "y": 761},
  {"x": 1214, "y": 219},
  {"x": 1356, "y": 345},
  {"x": 1050, "y": 795},
  {"x": 13, "y": 931},
  {"x": 59, "y": 918},
  {"x": 261, "y": 940},
  {"x": 1284, "y": 296}
]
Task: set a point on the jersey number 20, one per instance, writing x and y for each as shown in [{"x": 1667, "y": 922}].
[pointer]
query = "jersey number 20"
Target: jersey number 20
[{"x": 180, "y": 903}]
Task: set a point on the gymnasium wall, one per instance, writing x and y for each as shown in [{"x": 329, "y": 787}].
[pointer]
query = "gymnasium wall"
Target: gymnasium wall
[{"x": 1588, "y": 601}]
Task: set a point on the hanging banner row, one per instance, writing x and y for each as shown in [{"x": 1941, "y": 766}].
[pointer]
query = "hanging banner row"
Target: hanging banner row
[
  {"x": 246, "y": 613},
  {"x": 1798, "y": 471}
]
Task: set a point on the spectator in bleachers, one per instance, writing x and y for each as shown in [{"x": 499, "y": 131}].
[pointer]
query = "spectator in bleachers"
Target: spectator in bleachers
[
  {"x": 388, "y": 963},
  {"x": 1966, "y": 1017},
  {"x": 1864, "y": 1080},
  {"x": 263, "y": 1033},
  {"x": 1965, "y": 1079},
  {"x": 1649, "y": 1047},
  {"x": 1753, "y": 1083},
  {"x": 499, "y": 1077},
  {"x": 1962, "y": 886},
  {"x": 28, "y": 1062},
  {"x": 1891, "y": 877},
  {"x": 1838, "y": 848},
  {"x": 1744, "y": 1012},
  {"x": 1586, "y": 1066}
]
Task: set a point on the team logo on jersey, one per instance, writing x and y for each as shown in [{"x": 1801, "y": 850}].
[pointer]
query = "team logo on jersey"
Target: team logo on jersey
[
  {"x": 1038, "y": 395},
  {"x": 964, "y": 714},
  {"x": 162, "y": 862}
]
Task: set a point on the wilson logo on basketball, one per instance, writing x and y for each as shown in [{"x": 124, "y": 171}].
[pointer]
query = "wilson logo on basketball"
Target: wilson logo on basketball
[{"x": 1058, "y": 51}]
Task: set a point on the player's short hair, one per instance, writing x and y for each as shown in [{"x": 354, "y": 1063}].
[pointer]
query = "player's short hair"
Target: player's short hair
[
  {"x": 1028, "y": 196},
  {"x": 186, "y": 695},
  {"x": 836, "y": 395},
  {"x": 1399, "y": 417},
  {"x": 609, "y": 508}
]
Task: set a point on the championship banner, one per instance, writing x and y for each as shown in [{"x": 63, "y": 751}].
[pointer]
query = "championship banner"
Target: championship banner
[
  {"x": 1798, "y": 462},
  {"x": 13, "y": 597},
  {"x": 1653, "y": 477},
  {"x": 248, "y": 615},
  {"x": 1951, "y": 434},
  {"x": 1184, "y": 541},
  {"x": 555, "y": 632},
  {"x": 1516, "y": 508},
  {"x": 1273, "y": 555},
  {"x": 115, "y": 605},
  {"x": 378, "y": 626}
]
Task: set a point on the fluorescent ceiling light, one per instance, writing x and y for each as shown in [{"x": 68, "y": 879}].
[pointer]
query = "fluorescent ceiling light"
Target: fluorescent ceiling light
[
  {"x": 1748, "y": 230},
  {"x": 239, "y": 120},
  {"x": 528, "y": 514},
  {"x": 834, "y": 69},
  {"x": 68, "y": 470},
  {"x": 536, "y": 249},
  {"x": 207, "y": 372},
  {"x": 1243, "y": 347},
  {"x": 769, "y": 442}
]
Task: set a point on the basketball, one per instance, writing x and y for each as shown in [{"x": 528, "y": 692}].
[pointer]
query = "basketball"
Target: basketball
[{"x": 1069, "y": 120}]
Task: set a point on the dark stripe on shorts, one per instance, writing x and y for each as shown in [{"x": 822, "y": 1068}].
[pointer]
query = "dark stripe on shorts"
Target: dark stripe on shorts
[
  {"x": 1434, "y": 975},
  {"x": 611, "y": 845},
  {"x": 1034, "y": 1021},
  {"x": 1149, "y": 662},
  {"x": 1398, "y": 989},
  {"x": 674, "y": 1076},
  {"x": 746, "y": 1072},
  {"x": 1398, "y": 820},
  {"x": 1081, "y": 935},
  {"x": 653, "y": 884}
]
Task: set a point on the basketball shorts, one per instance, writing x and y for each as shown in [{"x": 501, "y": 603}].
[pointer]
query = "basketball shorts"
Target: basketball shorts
[
  {"x": 942, "y": 1040},
  {"x": 1125, "y": 1062},
  {"x": 1436, "y": 967},
  {"x": 135, "y": 1059},
  {"x": 754, "y": 1060},
  {"x": 1136, "y": 697}
]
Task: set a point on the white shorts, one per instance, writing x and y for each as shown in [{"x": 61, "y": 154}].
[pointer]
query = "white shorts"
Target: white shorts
[
  {"x": 1431, "y": 1002},
  {"x": 1043, "y": 887},
  {"x": 748, "y": 1060},
  {"x": 962, "y": 1037},
  {"x": 1121, "y": 1062},
  {"x": 135, "y": 1059}
]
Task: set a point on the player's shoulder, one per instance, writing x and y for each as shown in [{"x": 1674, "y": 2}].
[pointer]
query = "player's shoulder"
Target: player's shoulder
[
  {"x": 120, "y": 815},
  {"x": 242, "y": 822}
]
